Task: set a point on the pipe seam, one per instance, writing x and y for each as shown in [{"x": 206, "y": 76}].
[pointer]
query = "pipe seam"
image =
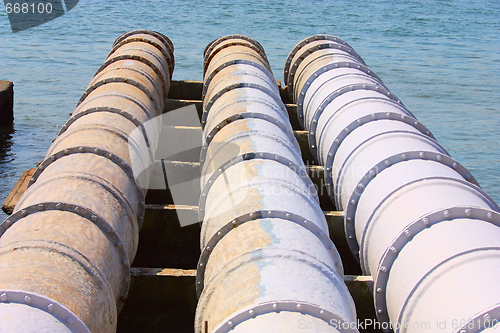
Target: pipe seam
[
  {"x": 485, "y": 197},
  {"x": 350, "y": 213},
  {"x": 59, "y": 311},
  {"x": 324, "y": 69},
  {"x": 442, "y": 215},
  {"x": 258, "y": 214}
]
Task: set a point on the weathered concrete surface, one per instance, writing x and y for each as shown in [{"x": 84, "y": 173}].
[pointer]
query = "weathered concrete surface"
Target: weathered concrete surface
[{"x": 6, "y": 103}]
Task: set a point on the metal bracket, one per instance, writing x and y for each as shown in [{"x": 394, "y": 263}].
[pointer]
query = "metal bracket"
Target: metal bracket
[
  {"x": 267, "y": 91},
  {"x": 306, "y": 41},
  {"x": 350, "y": 214},
  {"x": 55, "y": 309},
  {"x": 391, "y": 253},
  {"x": 329, "y": 67}
]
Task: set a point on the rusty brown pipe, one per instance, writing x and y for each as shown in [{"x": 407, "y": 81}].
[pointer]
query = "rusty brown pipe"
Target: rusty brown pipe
[{"x": 65, "y": 252}]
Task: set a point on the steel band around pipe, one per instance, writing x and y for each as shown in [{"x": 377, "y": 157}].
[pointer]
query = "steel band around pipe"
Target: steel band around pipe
[
  {"x": 306, "y": 41},
  {"x": 236, "y": 86},
  {"x": 313, "y": 310},
  {"x": 134, "y": 83},
  {"x": 324, "y": 69},
  {"x": 217, "y": 41},
  {"x": 247, "y": 157},
  {"x": 258, "y": 214},
  {"x": 122, "y": 113},
  {"x": 167, "y": 55},
  {"x": 100, "y": 152},
  {"x": 391, "y": 254},
  {"x": 136, "y": 58},
  {"x": 216, "y": 71},
  {"x": 350, "y": 214},
  {"x": 158, "y": 35},
  {"x": 55, "y": 309}
]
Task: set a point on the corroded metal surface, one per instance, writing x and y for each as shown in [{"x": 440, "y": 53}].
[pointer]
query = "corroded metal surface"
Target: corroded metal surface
[
  {"x": 66, "y": 249},
  {"x": 266, "y": 256},
  {"x": 414, "y": 217}
]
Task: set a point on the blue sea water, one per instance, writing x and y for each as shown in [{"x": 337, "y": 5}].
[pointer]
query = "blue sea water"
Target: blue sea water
[{"x": 441, "y": 58}]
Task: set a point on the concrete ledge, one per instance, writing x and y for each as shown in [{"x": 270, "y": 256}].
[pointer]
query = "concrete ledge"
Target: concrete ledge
[{"x": 6, "y": 103}]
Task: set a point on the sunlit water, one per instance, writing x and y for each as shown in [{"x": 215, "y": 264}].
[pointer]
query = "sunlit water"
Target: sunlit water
[{"x": 441, "y": 58}]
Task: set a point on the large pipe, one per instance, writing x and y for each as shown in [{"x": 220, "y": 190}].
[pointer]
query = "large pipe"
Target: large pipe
[
  {"x": 267, "y": 262},
  {"x": 414, "y": 217},
  {"x": 65, "y": 252}
]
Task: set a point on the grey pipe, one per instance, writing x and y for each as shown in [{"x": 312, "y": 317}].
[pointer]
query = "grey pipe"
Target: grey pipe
[
  {"x": 65, "y": 252},
  {"x": 414, "y": 217},
  {"x": 267, "y": 262}
]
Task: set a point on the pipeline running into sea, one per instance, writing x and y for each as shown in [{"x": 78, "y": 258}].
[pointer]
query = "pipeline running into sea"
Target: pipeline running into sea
[
  {"x": 415, "y": 218},
  {"x": 267, "y": 260},
  {"x": 66, "y": 250}
]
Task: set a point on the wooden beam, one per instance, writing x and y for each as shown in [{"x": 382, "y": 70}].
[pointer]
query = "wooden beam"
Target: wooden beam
[{"x": 17, "y": 191}]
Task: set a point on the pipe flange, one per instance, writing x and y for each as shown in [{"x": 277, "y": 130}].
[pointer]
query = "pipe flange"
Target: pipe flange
[
  {"x": 216, "y": 71},
  {"x": 259, "y": 214},
  {"x": 306, "y": 41},
  {"x": 482, "y": 321},
  {"x": 247, "y": 157},
  {"x": 217, "y": 41},
  {"x": 158, "y": 35},
  {"x": 350, "y": 212},
  {"x": 122, "y": 113},
  {"x": 387, "y": 162},
  {"x": 108, "y": 230},
  {"x": 101, "y": 152},
  {"x": 167, "y": 55},
  {"x": 161, "y": 94},
  {"x": 391, "y": 253},
  {"x": 136, "y": 58},
  {"x": 293, "y": 69},
  {"x": 324, "y": 69},
  {"x": 354, "y": 125},
  {"x": 55, "y": 309},
  {"x": 137, "y": 84},
  {"x": 206, "y": 61},
  {"x": 267, "y": 91},
  {"x": 353, "y": 87},
  {"x": 248, "y": 115},
  {"x": 316, "y": 311}
]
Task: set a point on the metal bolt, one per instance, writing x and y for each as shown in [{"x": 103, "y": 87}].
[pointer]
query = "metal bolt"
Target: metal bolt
[
  {"x": 322, "y": 312},
  {"x": 454, "y": 165},
  {"x": 50, "y": 307},
  {"x": 70, "y": 320},
  {"x": 383, "y": 269},
  {"x": 446, "y": 213},
  {"x": 439, "y": 158},
  {"x": 489, "y": 215},
  {"x": 379, "y": 290},
  {"x": 425, "y": 221},
  {"x": 299, "y": 306},
  {"x": 408, "y": 233},
  {"x": 118, "y": 244},
  {"x": 387, "y": 162},
  {"x": 393, "y": 249},
  {"x": 422, "y": 154},
  {"x": 251, "y": 313},
  {"x": 40, "y": 207},
  {"x": 230, "y": 323},
  {"x": 23, "y": 213},
  {"x": 349, "y": 219},
  {"x": 403, "y": 156},
  {"x": 380, "y": 311},
  {"x": 353, "y": 202},
  {"x": 275, "y": 306},
  {"x": 4, "y": 297},
  {"x": 468, "y": 212},
  {"x": 27, "y": 299}
]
